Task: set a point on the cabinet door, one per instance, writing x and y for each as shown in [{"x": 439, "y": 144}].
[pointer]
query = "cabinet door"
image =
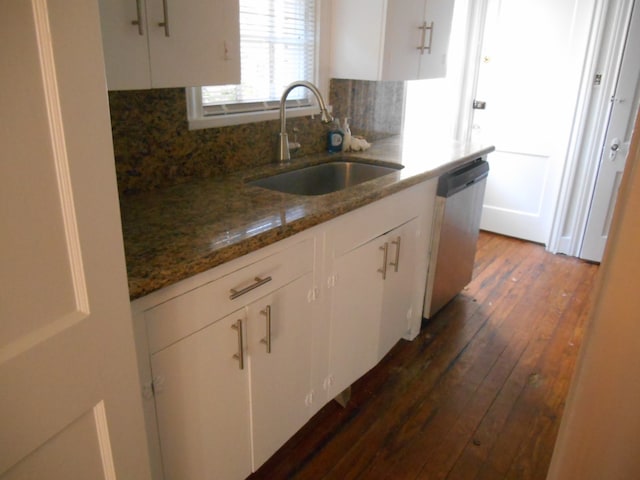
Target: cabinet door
[
  {"x": 200, "y": 46},
  {"x": 399, "y": 299},
  {"x": 406, "y": 33},
  {"x": 357, "y": 46},
  {"x": 355, "y": 314},
  {"x": 125, "y": 46},
  {"x": 202, "y": 400},
  {"x": 402, "y": 38},
  {"x": 174, "y": 43},
  {"x": 383, "y": 44},
  {"x": 433, "y": 64},
  {"x": 279, "y": 345}
]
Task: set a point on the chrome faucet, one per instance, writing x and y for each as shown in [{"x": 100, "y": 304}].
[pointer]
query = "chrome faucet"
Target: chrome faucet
[{"x": 325, "y": 116}]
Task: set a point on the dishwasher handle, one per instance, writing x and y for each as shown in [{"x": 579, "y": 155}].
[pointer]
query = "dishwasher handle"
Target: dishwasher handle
[{"x": 456, "y": 180}]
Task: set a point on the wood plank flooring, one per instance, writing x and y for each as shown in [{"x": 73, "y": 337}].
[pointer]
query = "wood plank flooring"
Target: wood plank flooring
[{"x": 479, "y": 393}]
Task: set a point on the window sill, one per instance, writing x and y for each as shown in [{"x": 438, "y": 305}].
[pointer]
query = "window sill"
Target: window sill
[{"x": 214, "y": 121}]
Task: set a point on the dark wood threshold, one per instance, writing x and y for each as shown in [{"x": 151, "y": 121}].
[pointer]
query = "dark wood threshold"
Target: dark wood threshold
[{"x": 478, "y": 395}]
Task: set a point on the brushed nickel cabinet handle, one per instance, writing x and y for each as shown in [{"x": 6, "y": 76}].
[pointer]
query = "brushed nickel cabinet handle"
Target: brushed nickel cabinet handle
[
  {"x": 138, "y": 21},
  {"x": 165, "y": 12},
  {"x": 424, "y": 27},
  {"x": 396, "y": 263},
  {"x": 267, "y": 339},
  {"x": 240, "y": 355},
  {"x": 258, "y": 283},
  {"x": 385, "y": 255}
]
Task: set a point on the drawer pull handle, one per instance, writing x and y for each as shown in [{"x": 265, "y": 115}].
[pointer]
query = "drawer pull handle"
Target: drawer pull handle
[
  {"x": 267, "y": 339},
  {"x": 240, "y": 355},
  {"x": 165, "y": 13},
  {"x": 258, "y": 283},
  {"x": 424, "y": 27},
  {"x": 385, "y": 250},
  {"x": 396, "y": 263},
  {"x": 138, "y": 20}
]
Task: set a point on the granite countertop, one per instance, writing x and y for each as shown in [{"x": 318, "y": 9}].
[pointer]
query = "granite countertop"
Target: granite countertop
[{"x": 174, "y": 233}]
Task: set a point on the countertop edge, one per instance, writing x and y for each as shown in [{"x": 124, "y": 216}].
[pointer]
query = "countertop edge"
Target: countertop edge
[{"x": 141, "y": 287}]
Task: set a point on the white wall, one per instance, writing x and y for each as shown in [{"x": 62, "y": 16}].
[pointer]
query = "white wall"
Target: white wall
[{"x": 599, "y": 435}]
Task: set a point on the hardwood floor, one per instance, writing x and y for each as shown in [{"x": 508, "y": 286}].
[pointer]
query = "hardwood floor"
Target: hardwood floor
[{"x": 479, "y": 393}]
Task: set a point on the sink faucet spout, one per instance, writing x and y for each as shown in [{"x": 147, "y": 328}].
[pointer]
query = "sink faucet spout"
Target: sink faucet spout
[{"x": 284, "y": 155}]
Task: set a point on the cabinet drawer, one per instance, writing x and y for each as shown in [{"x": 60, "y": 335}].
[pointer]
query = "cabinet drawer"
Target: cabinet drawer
[
  {"x": 195, "y": 309},
  {"x": 364, "y": 224}
]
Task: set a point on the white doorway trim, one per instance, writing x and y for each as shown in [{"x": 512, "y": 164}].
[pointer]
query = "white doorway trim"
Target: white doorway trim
[
  {"x": 605, "y": 51},
  {"x": 475, "y": 21}
]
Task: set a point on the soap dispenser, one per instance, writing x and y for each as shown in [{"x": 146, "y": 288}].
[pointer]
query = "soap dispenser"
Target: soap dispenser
[{"x": 335, "y": 137}]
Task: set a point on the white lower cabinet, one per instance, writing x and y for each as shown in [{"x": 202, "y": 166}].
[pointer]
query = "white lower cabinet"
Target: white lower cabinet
[
  {"x": 202, "y": 400},
  {"x": 372, "y": 302},
  {"x": 399, "y": 308},
  {"x": 228, "y": 396},
  {"x": 356, "y": 300},
  {"x": 230, "y": 364},
  {"x": 235, "y": 360},
  {"x": 279, "y": 352}
]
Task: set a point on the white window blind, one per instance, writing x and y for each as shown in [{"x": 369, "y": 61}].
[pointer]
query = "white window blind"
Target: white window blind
[{"x": 277, "y": 47}]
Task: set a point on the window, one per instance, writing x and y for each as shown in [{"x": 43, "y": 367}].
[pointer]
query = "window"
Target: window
[{"x": 277, "y": 47}]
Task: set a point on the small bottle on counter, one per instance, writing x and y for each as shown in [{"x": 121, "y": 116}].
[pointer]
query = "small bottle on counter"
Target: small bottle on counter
[
  {"x": 346, "y": 140},
  {"x": 335, "y": 137}
]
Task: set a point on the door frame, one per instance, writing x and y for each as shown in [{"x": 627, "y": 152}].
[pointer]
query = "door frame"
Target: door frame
[
  {"x": 577, "y": 177},
  {"x": 476, "y": 14},
  {"x": 605, "y": 49}
]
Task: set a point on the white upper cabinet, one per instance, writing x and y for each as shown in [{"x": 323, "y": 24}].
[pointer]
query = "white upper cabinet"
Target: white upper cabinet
[
  {"x": 390, "y": 39},
  {"x": 170, "y": 43}
]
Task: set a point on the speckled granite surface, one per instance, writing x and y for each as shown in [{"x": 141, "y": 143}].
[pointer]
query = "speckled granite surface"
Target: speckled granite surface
[
  {"x": 179, "y": 231},
  {"x": 154, "y": 147},
  {"x": 374, "y": 109}
]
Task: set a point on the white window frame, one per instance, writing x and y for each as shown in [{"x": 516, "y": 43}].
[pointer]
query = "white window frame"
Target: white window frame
[{"x": 268, "y": 110}]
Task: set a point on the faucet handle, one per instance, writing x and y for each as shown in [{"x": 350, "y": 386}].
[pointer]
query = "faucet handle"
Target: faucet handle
[
  {"x": 295, "y": 145},
  {"x": 325, "y": 116}
]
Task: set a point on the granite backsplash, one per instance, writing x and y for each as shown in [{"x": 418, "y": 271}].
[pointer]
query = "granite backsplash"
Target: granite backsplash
[{"x": 154, "y": 147}]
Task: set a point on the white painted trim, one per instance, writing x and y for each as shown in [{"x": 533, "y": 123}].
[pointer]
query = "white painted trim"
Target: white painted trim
[
  {"x": 35, "y": 337},
  {"x": 476, "y": 18},
  {"x": 104, "y": 441},
  {"x": 573, "y": 174},
  {"x": 198, "y": 122},
  {"x": 583, "y": 158},
  {"x": 60, "y": 154}
]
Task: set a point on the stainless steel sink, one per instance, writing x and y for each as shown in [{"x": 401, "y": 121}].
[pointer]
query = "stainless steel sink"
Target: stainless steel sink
[{"x": 324, "y": 178}]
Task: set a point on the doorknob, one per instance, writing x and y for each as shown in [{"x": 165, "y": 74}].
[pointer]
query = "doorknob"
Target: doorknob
[
  {"x": 479, "y": 105},
  {"x": 615, "y": 146}
]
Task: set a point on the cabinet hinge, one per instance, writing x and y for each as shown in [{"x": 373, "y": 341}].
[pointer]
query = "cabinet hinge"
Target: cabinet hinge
[
  {"x": 331, "y": 280},
  {"x": 308, "y": 400},
  {"x": 150, "y": 389},
  {"x": 327, "y": 382},
  {"x": 312, "y": 294}
]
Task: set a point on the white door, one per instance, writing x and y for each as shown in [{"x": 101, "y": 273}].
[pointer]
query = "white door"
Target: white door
[
  {"x": 624, "y": 106},
  {"x": 529, "y": 76},
  {"x": 69, "y": 401}
]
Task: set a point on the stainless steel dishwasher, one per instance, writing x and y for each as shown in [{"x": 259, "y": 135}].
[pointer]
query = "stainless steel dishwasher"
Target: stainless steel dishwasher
[{"x": 456, "y": 224}]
